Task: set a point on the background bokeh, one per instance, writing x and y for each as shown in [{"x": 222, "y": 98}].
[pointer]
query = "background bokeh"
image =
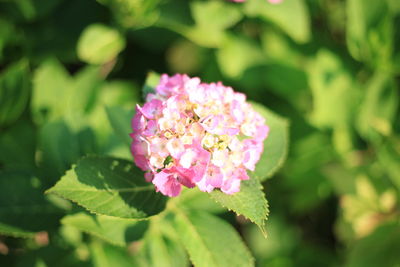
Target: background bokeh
[{"x": 331, "y": 67}]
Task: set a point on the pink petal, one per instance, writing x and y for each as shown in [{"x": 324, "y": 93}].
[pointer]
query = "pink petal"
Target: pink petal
[
  {"x": 231, "y": 186},
  {"x": 167, "y": 184}
]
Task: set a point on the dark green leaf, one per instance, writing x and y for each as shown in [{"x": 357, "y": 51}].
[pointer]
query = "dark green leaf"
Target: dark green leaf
[
  {"x": 120, "y": 120},
  {"x": 14, "y": 92},
  {"x": 117, "y": 231},
  {"x": 23, "y": 208},
  {"x": 382, "y": 246}
]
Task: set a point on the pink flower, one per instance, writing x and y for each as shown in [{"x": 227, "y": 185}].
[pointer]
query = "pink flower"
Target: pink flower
[{"x": 190, "y": 134}]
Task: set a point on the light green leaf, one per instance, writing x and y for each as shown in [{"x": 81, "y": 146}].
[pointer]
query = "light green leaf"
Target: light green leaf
[
  {"x": 116, "y": 231},
  {"x": 369, "y": 31},
  {"x": 291, "y": 16},
  {"x": 133, "y": 14},
  {"x": 332, "y": 88},
  {"x": 14, "y": 92},
  {"x": 214, "y": 14},
  {"x": 110, "y": 186},
  {"x": 388, "y": 156},
  {"x": 150, "y": 84},
  {"x": 119, "y": 93},
  {"x": 161, "y": 247},
  {"x": 195, "y": 199},
  {"x": 104, "y": 255},
  {"x": 120, "y": 120},
  {"x": 51, "y": 84},
  {"x": 249, "y": 201},
  {"x": 84, "y": 89},
  {"x": 99, "y": 44},
  {"x": 379, "y": 106},
  {"x": 237, "y": 54},
  {"x": 210, "y": 241},
  {"x": 211, "y": 19},
  {"x": 275, "y": 146}
]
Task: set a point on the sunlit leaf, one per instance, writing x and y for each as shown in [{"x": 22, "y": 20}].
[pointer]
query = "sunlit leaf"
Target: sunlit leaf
[
  {"x": 99, "y": 44},
  {"x": 104, "y": 255},
  {"x": 211, "y": 241},
  {"x": 250, "y": 202},
  {"x": 150, "y": 84},
  {"x": 275, "y": 146},
  {"x": 378, "y": 108},
  {"x": 110, "y": 186},
  {"x": 291, "y": 16},
  {"x": 237, "y": 54},
  {"x": 50, "y": 85}
]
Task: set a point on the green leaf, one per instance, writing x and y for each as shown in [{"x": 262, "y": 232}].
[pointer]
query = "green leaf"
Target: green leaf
[
  {"x": 23, "y": 206},
  {"x": 50, "y": 84},
  {"x": 369, "y": 31},
  {"x": 332, "y": 88},
  {"x": 110, "y": 186},
  {"x": 275, "y": 146},
  {"x": 378, "y": 109},
  {"x": 99, "y": 44},
  {"x": 249, "y": 201},
  {"x": 133, "y": 14},
  {"x": 59, "y": 146},
  {"x": 382, "y": 245},
  {"x": 290, "y": 15},
  {"x": 116, "y": 231},
  {"x": 84, "y": 89},
  {"x": 214, "y": 14},
  {"x": 195, "y": 199},
  {"x": 14, "y": 92},
  {"x": 104, "y": 255},
  {"x": 17, "y": 146},
  {"x": 210, "y": 241},
  {"x": 161, "y": 247},
  {"x": 120, "y": 120},
  {"x": 9, "y": 230},
  {"x": 237, "y": 54},
  {"x": 211, "y": 19},
  {"x": 150, "y": 84},
  {"x": 120, "y": 93},
  {"x": 388, "y": 156}
]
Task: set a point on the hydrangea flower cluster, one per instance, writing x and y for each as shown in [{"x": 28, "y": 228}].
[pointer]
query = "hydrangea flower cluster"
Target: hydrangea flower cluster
[{"x": 196, "y": 134}]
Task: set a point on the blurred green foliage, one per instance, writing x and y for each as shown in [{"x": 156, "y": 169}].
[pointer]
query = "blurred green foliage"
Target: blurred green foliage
[{"x": 70, "y": 72}]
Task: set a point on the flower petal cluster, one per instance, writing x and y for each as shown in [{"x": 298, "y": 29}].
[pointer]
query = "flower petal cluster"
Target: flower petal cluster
[{"x": 191, "y": 134}]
